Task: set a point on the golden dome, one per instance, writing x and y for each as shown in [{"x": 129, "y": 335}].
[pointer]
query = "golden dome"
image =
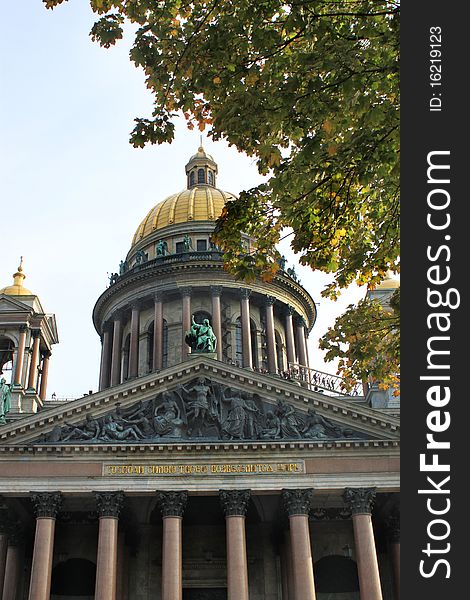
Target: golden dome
[
  {"x": 17, "y": 289},
  {"x": 198, "y": 203}
]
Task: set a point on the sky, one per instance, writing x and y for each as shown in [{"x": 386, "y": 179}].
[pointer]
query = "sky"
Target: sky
[{"x": 72, "y": 188}]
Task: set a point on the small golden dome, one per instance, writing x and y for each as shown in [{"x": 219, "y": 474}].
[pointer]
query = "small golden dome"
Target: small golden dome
[
  {"x": 17, "y": 289},
  {"x": 198, "y": 203}
]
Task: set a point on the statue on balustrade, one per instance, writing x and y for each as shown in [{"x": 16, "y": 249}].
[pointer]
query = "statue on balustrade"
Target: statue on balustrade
[
  {"x": 161, "y": 249},
  {"x": 141, "y": 257},
  {"x": 113, "y": 278},
  {"x": 201, "y": 337},
  {"x": 123, "y": 267}
]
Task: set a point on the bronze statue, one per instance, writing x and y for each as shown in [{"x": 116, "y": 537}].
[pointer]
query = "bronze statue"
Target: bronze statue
[
  {"x": 201, "y": 337},
  {"x": 5, "y": 399}
]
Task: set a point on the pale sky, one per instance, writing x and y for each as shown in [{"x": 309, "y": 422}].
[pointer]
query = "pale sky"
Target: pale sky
[{"x": 72, "y": 188}]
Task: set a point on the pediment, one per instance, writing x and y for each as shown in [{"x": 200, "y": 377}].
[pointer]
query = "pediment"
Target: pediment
[
  {"x": 202, "y": 400},
  {"x": 9, "y": 305}
]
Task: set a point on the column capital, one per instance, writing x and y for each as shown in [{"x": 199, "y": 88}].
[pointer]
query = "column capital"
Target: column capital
[
  {"x": 106, "y": 327},
  {"x": 23, "y": 328},
  {"x": 117, "y": 315},
  {"x": 216, "y": 290},
  {"x": 297, "y": 502},
  {"x": 46, "y": 504},
  {"x": 158, "y": 296},
  {"x": 245, "y": 293},
  {"x": 359, "y": 500},
  {"x": 135, "y": 305},
  {"x": 172, "y": 504},
  {"x": 289, "y": 310},
  {"x": 300, "y": 321},
  {"x": 47, "y": 354},
  {"x": 234, "y": 502},
  {"x": 186, "y": 291},
  {"x": 109, "y": 504},
  {"x": 36, "y": 333},
  {"x": 270, "y": 300}
]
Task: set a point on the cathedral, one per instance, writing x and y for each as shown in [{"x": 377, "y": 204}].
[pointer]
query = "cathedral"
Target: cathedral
[{"x": 214, "y": 462}]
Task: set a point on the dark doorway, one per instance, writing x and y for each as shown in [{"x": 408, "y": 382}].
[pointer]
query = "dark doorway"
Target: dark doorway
[
  {"x": 205, "y": 594},
  {"x": 74, "y": 577}
]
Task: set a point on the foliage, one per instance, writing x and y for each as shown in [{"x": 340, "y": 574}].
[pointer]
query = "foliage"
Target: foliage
[
  {"x": 368, "y": 332},
  {"x": 309, "y": 88}
]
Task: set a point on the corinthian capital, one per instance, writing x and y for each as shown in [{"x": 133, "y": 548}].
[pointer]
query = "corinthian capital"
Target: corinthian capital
[
  {"x": 46, "y": 504},
  {"x": 360, "y": 500},
  {"x": 109, "y": 504},
  {"x": 297, "y": 502},
  {"x": 234, "y": 502},
  {"x": 172, "y": 504}
]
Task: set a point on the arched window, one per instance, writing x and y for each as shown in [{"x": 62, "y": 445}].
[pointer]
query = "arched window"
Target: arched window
[
  {"x": 165, "y": 345},
  {"x": 7, "y": 348},
  {"x": 254, "y": 344},
  {"x": 238, "y": 342},
  {"x": 75, "y": 578},
  {"x": 201, "y": 176},
  {"x": 191, "y": 178},
  {"x": 125, "y": 357},
  {"x": 336, "y": 574},
  {"x": 150, "y": 338},
  {"x": 211, "y": 178},
  {"x": 279, "y": 352}
]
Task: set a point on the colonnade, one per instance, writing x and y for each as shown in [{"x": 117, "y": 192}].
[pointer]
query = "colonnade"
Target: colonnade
[
  {"x": 298, "y": 585},
  {"x": 38, "y": 368},
  {"x": 112, "y": 341}
]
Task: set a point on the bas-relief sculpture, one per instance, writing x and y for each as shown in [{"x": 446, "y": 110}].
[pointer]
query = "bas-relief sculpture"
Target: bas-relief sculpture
[{"x": 202, "y": 410}]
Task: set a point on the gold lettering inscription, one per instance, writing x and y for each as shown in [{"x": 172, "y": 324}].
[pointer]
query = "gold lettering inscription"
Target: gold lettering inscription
[{"x": 203, "y": 469}]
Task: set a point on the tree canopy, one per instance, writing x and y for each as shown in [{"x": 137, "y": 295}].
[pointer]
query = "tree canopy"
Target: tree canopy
[{"x": 309, "y": 88}]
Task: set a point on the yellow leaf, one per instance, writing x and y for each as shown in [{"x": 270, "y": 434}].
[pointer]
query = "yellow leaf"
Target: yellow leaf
[{"x": 216, "y": 80}]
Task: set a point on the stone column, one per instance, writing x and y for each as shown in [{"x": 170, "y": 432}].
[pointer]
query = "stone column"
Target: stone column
[
  {"x": 17, "y": 377},
  {"x": 290, "y": 344},
  {"x": 134, "y": 342},
  {"x": 116, "y": 357},
  {"x": 158, "y": 333},
  {"x": 247, "y": 359},
  {"x": 105, "y": 354},
  {"x": 297, "y": 504},
  {"x": 172, "y": 505},
  {"x": 109, "y": 506},
  {"x": 216, "y": 292},
  {"x": 44, "y": 375},
  {"x": 185, "y": 320},
  {"x": 393, "y": 535},
  {"x": 33, "y": 367},
  {"x": 235, "y": 504},
  {"x": 47, "y": 506},
  {"x": 270, "y": 335},
  {"x": 301, "y": 345},
  {"x": 12, "y": 566},
  {"x": 360, "y": 502}
]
